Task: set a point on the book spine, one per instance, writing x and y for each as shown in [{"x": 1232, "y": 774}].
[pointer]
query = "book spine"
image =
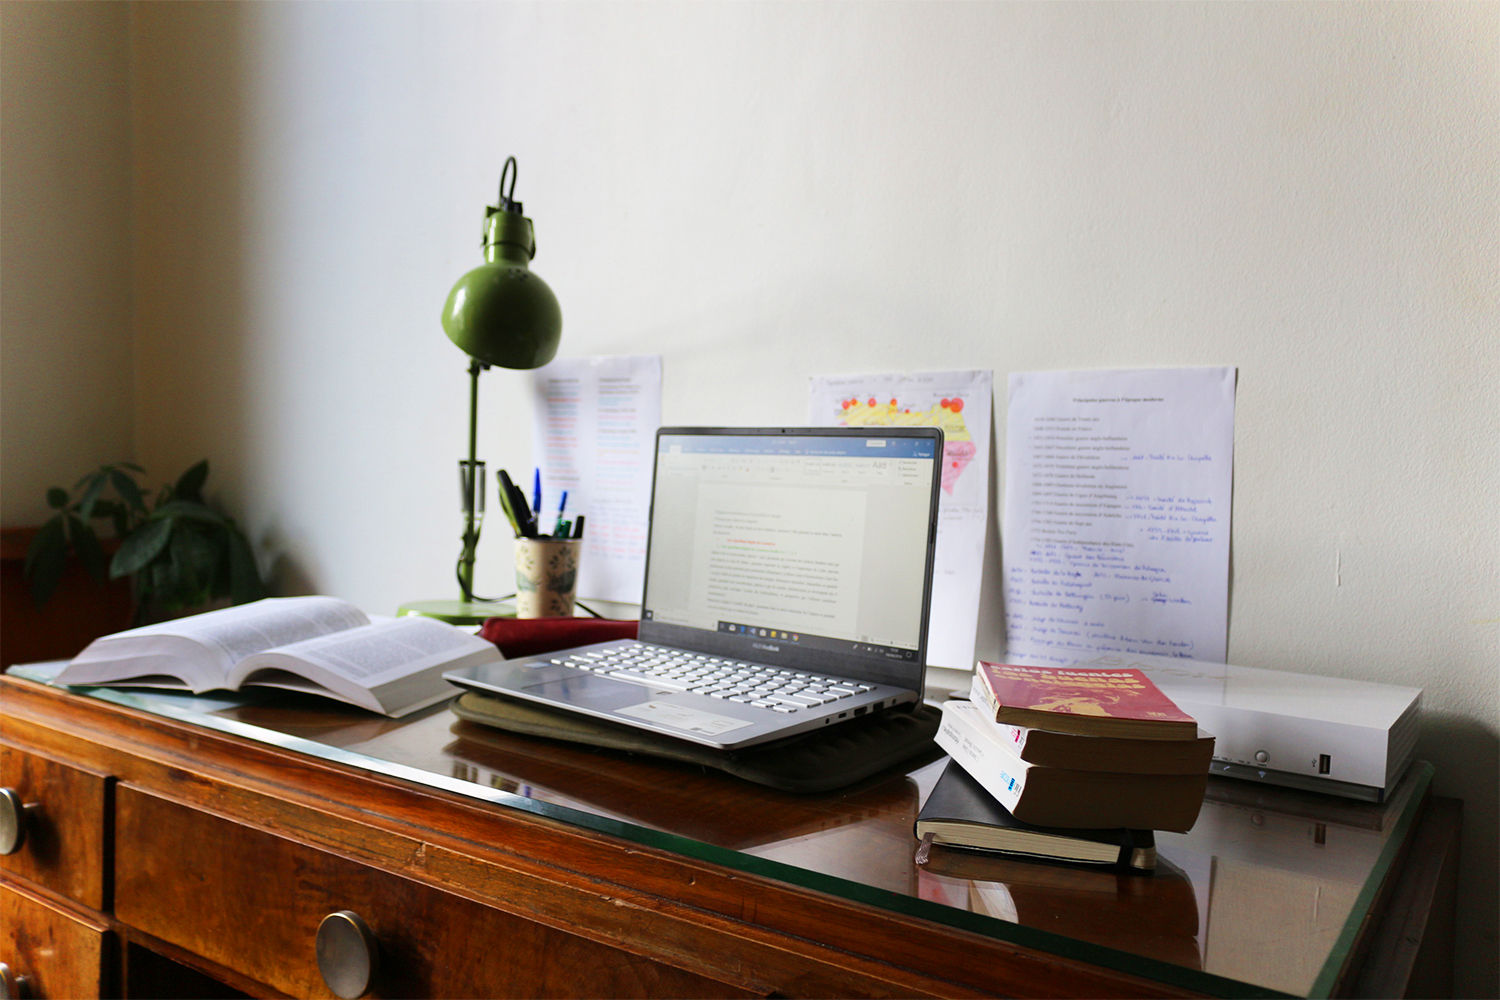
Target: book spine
[
  {"x": 1001, "y": 774},
  {"x": 981, "y": 695},
  {"x": 1013, "y": 737}
]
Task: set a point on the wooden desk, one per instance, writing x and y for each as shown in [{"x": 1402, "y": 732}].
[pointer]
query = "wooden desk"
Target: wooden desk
[{"x": 178, "y": 844}]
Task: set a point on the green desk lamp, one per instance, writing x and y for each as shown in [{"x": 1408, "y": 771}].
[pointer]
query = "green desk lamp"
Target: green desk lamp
[{"x": 501, "y": 314}]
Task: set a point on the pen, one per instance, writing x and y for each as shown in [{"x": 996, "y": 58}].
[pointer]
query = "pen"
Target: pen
[
  {"x": 536, "y": 493},
  {"x": 525, "y": 521},
  {"x": 560, "y": 531},
  {"x": 578, "y": 527},
  {"x": 505, "y": 502},
  {"x": 528, "y": 516}
]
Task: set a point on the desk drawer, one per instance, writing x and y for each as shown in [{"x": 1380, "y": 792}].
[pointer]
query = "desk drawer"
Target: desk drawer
[
  {"x": 66, "y": 839},
  {"x": 252, "y": 901},
  {"x": 59, "y": 954}
]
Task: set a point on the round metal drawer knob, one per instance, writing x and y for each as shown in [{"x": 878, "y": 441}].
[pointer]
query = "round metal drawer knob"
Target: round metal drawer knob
[
  {"x": 348, "y": 954},
  {"x": 12, "y": 986},
  {"x": 12, "y": 821}
]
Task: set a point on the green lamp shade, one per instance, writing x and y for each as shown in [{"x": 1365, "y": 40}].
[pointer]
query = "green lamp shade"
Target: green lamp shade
[{"x": 501, "y": 313}]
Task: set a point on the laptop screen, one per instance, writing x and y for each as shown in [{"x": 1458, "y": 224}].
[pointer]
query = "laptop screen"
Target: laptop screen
[{"x": 802, "y": 547}]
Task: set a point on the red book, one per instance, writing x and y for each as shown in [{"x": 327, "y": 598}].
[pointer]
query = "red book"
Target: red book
[{"x": 1085, "y": 702}]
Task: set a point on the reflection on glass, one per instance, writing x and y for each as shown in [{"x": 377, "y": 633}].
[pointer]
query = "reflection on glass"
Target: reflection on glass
[
  {"x": 1264, "y": 890},
  {"x": 1152, "y": 915}
]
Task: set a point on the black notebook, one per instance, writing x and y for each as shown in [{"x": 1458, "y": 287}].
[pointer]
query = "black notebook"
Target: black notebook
[{"x": 960, "y": 813}]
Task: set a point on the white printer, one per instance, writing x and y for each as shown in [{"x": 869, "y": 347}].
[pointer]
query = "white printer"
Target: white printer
[{"x": 1351, "y": 738}]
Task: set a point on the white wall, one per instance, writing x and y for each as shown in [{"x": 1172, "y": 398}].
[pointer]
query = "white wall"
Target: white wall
[
  {"x": 764, "y": 192},
  {"x": 65, "y": 361}
]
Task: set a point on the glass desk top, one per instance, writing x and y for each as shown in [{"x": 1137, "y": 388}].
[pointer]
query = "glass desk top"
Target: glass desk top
[{"x": 1265, "y": 895}]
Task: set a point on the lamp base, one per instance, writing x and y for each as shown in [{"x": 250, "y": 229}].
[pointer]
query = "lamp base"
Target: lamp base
[{"x": 458, "y": 612}]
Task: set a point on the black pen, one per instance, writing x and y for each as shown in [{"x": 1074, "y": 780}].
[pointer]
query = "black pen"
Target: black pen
[
  {"x": 525, "y": 520},
  {"x": 578, "y": 527},
  {"x": 505, "y": 505}
]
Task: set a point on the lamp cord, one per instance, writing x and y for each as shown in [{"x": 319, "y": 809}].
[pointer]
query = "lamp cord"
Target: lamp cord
[{"x": 508, "y": 201}]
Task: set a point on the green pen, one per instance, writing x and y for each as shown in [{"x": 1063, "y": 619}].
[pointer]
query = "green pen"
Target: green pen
[{"x": 510, "y": 514}]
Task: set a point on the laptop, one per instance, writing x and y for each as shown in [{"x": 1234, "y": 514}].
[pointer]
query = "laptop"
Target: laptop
[{"x": 788, "y": 587}]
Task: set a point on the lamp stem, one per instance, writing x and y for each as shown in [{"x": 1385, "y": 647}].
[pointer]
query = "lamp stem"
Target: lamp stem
[{"x": 471, "y": 486}]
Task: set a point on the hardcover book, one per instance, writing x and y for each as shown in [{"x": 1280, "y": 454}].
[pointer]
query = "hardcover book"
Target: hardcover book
[
  {"x": 1121, "y": 703},
  {"x": 1056, "y": 796},
  {"x": 960, "y": 813},
  {"x": 1108, "y": 753}
]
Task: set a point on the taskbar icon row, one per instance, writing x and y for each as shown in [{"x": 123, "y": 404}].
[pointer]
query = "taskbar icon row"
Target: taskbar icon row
[
  {"x": 762, "y": 633},
  {"x": 818, "y": 642}
]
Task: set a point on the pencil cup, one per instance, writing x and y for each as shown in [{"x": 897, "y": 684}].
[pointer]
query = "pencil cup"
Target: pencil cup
[{"x": 546, "y": 577}]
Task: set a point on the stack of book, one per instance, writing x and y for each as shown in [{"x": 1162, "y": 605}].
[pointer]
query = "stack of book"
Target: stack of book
[{"x": 1068, "y": 764}]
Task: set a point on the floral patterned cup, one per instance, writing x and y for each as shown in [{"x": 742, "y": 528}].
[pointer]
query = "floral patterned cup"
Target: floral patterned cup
[{"x": 546, "y": 577}]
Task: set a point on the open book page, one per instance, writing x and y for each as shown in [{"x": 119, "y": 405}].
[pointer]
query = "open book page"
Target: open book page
[
  {"x": 393, "y": 666},
  {"x": 199, "y": 651}
]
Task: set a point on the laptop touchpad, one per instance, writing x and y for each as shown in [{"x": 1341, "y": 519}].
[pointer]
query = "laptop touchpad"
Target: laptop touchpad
[{"x": 591, "y": 691}]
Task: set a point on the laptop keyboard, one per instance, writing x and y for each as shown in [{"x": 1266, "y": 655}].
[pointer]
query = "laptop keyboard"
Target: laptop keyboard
[{"x": 775, "y": 688}]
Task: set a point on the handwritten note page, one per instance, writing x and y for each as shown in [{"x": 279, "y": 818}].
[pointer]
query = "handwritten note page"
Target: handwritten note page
[
  {"x": 1117, "y": 497},
  {"x": 594, "y": 436},
  {"x": 960, "y": 403}
]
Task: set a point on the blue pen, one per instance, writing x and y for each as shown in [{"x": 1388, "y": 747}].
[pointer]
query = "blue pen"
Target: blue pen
[
  {"x": 536, "y": 493},
  {"x": 562, "y": 505}
]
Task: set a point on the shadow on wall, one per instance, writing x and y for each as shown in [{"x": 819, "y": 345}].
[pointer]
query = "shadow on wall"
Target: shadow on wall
[
  {"x": 1461, "y": 746},
  {"x": 286, "y": 576},
  {"x": 193, "y": 201},
  {"x": 989, "y": 640}
]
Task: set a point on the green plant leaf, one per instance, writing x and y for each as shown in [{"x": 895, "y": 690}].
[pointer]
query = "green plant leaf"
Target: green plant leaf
[
  {"x": 126, "y": 487},
  {"x": 39, "y": 543},
  {"x": 46, "y": 558},
  {"x": 143, "y": 592},
  {"x": 90, "y": 499},
  {"x": 105, "y": 507},
  {"x": 150, "y": 583},
  {"x": 190, "y": 483},
  {"x": 57, "y": 497},
  {"x": 193, "y": 559},
  {"x": 244, "y": 577},
  {"x": 119, "y": 516},
  {"x": 141, "y": 547},
  {"x": 190, "y": 511},
  {"x": 129, "y": 465},
  {"x": 86, "y": 544}
]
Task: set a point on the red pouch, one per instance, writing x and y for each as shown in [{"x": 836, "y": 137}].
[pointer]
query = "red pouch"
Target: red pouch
[{"x": 518, "y": 637}]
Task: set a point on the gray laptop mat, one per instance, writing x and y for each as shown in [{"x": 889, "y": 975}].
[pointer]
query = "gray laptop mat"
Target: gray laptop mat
[{"x": 812, "y": 762}]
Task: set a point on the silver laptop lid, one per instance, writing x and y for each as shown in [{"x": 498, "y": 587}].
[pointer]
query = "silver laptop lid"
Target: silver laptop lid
[{"x": 809, "y": 548}]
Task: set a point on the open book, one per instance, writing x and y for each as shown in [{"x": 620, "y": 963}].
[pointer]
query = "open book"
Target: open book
[{"x": 316, "y": 644}]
